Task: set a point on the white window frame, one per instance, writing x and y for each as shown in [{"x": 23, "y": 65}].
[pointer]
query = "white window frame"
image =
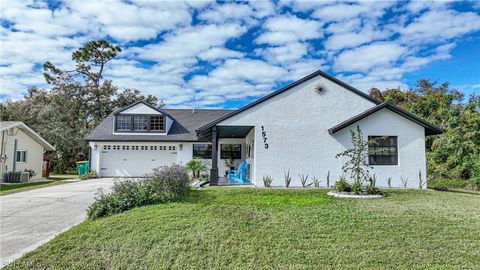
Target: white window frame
[{"x": 24, "y": 156}]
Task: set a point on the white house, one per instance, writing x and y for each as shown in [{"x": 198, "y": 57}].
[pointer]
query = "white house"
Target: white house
[
  {"x": 21, "y": 149},
  {"x": 295, "y": 129}
]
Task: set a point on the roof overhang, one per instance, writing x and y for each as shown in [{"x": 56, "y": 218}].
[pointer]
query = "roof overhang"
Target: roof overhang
[
  {"x": 31, "y": 133},
  {"x": 429, "y": 129}
]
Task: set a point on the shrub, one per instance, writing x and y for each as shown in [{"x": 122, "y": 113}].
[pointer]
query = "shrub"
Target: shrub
[
  {"x": 89, "y": 175},
  {"x": 165, "y": 184},
  {"x": 288, "y": 178},
  {"x": 356, "y": 188},
  {"x": 303, "y": 180},
  {"x": 440, "y": 188},
  {"x": 196, "y": 166},
  {"x": 421, "y": 183},
  {"x": 451, "y": 183},
  {"x": 267, "y": 181},
  {"x": 342, "y": 185}
]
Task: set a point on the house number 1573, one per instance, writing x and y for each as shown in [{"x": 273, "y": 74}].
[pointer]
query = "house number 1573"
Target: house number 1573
[{"x": 264, "y": 137}]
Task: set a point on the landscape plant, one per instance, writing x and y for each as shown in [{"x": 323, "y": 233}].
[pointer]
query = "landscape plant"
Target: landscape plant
[
  {"x": 421, "y": 183},
  {"x": 316, "y": 182},
  {"x": 328, "y": 179},
  {"x": 288, "y": 178},
  {"x": 196, "y": 165},
  {"x": 404, "y": 181},
  {"x": 267, "y": 181},
  {"x": 342, "y": 185},
  {"x": 303, "y": 179},
  {"x": 164, "y": 184}
]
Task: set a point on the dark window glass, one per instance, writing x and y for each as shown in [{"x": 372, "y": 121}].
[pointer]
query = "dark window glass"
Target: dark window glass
[
  {"x": 202, "y": 151},
  {"x": 21, "y": 156},
  {"x": 140, "y": 122},
  {"x": 231, "y": 151},
  {"x": 382, "y": 150},
  {"x": 156, "y": 123},
  {"x": 124, "y": 122}
]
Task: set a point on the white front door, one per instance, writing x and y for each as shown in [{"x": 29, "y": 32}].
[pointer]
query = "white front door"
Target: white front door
[{"x": 135, "y": 160}]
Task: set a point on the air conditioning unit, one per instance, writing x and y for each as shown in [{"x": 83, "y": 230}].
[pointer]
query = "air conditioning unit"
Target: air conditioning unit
[{"x": 16, "y": 177}]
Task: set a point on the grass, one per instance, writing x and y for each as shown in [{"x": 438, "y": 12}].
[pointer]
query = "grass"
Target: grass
[
  {"x": 63, "y": 176},
  {"x": 219, "y": 228},
  {"x": 6, "y": 189}
]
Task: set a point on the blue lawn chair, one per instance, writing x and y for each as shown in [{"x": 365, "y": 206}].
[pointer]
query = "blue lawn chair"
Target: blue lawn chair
[{"x": 239, "y": 175}]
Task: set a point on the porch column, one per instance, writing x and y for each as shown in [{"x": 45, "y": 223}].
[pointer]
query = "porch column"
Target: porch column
[{"x": 214, "y": 169}]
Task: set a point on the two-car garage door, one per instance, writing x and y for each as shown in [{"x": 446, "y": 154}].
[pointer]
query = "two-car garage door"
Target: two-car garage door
[{"x": 134, "y": 160}]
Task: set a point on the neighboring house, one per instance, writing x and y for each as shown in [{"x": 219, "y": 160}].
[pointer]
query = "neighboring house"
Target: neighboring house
[
  {"x": 294, "y": 129},
  {"x": 21, "y": 149}
]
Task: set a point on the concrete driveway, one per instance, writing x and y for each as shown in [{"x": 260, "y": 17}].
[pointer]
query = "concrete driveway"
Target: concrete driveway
[{"x": 31, "y": 218}]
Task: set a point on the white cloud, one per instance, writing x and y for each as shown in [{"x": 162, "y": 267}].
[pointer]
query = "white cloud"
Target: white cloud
[
  {"x": 219, "y": 53},
  {"x": 286, "y": 54},
  {"x": 250, "y": 47},
  {"x": 289, "y": 28},
  {"x": 238, "y": 79},
  {"x": 353, "y": 39},
  {"x": 364, "y": 58},
  {"x": 437, "y": 26}
]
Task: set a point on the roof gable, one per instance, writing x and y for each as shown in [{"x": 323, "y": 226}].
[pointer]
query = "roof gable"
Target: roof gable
[
  {"x": 286, "y": 88},
  {"x": 429, "y": 129},
  {"x": 5, "y": 126},
  {"x": 140, "y": 107}
]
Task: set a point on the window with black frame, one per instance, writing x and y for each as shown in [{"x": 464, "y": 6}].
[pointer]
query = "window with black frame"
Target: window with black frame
[
  {"x": 230, "y": 151},
  {"x": 140, "y": 123},
  {"x": 382, "y": 150},
  {"x": 156, "y": 123},
  {"x": 124, "y": 122},
  {"x": 202, "y": 151}
]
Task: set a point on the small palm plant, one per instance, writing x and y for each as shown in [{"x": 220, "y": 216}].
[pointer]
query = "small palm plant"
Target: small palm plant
[
  {"x": 316, "y": 181},
  {"x": 389, "y": 182},
  {"x": 267, "y": 181},
  {"x": 288, "y": 178},
  {"x": 196, "y": 166},
  {"x": 303, "y": 179},
  {"x": 404, "y": 181}
]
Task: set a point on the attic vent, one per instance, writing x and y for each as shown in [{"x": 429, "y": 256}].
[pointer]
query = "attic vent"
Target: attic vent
[{"x": 320, "y": 89}]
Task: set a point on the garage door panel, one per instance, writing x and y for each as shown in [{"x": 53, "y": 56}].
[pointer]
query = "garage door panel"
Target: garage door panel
[{"x": 134, "y": 163}]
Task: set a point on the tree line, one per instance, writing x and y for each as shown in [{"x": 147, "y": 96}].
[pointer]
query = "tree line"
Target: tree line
[{"x": 79, "y": 99}]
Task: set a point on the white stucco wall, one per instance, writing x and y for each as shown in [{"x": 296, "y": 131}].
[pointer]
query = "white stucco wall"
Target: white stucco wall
[
  {"x": 411, "y": 146},
  {"x": 34, "y": 154},
  {"x": 296, "y": 124}
]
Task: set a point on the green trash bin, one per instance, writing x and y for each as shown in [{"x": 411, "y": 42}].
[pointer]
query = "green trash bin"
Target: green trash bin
[{"x": 82, "y": 168}]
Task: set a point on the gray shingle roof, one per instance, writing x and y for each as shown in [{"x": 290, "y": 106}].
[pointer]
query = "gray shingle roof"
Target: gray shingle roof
[{"x": 183, "y": 128}]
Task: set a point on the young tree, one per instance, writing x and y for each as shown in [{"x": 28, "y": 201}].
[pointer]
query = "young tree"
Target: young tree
[{"x": 357, "y": 163}]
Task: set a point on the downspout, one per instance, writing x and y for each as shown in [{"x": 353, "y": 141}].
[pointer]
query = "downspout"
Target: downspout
[
  {"x": 3, "y": 156},
  {"x": 15, "y": 155}
]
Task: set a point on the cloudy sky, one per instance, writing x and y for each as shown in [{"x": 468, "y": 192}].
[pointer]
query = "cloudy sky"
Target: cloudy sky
[{"x": 209, "y": 54}]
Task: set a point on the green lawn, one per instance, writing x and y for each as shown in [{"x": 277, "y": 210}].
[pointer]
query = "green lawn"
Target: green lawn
[
  {"x": 236, "y": 228},
  {"x": 63, "y": 176},
  {"x": 14, "y": 188}
]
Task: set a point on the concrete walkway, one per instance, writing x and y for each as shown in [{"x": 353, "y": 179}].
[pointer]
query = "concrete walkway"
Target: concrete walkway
[{"x": 32, "y": 218}]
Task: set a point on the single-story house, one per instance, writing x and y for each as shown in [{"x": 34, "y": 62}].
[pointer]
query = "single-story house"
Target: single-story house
[
  {"x": 297, "y": 129},
  {"x": 21, "y": 149}
]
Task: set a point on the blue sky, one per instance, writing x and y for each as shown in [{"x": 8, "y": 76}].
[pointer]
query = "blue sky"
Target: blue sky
[{"x": 208, "y": 54}]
